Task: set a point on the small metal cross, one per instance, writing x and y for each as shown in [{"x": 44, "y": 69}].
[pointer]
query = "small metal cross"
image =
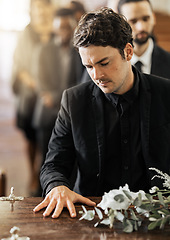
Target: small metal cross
[
  {"x": 11, "y": 197},
  {"x": 14, "y": 235}
]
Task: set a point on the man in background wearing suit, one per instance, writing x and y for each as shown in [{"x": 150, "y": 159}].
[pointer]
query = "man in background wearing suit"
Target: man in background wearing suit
[{"x": 147, "y": 54}]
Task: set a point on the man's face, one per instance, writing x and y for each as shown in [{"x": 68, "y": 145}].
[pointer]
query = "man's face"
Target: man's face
[
  {"x": 64, "y": 26},
  {"x": 107, "y": 68},
  {"x": 141, "y": 18},
  {"x": 42, "y": 12}
]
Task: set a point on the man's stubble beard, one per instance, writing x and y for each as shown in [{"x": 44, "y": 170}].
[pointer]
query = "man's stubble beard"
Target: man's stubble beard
[{"x": 141, "y": 41}]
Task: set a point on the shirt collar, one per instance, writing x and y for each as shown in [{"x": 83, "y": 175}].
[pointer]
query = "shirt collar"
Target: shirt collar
[
  {"x": 132, "y": 94},
  {"x": 145, "y": 58},
  {"x": 129, "y": 96}
]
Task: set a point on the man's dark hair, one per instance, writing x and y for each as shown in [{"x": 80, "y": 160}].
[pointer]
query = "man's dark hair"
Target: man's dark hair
[
  {"x": 122, "y": 2},
  {"x": 103, "y": 28}
]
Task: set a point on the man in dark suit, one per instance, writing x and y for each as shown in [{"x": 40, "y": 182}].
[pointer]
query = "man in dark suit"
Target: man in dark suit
[
  {"x": 140, "y": 16},
  {"x": 115, "y": 127}
]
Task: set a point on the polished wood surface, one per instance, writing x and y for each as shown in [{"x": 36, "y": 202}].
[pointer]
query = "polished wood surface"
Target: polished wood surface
[{"x": 36, "y": 227}]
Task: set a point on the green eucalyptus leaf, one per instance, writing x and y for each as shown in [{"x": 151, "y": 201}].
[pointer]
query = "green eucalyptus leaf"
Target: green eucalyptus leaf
[
  {"x": 133, "y": 215},
  {"x": 146, "y": 206},
  {"x": 119, "y": 198},
  {"x": 152, "y": 225},
  {"x": 163, "y": 222},
  {"x": 161, "y": 198},
  {"x": 138, "y": 201},
  {"x": 127, "y": 226},
  {"x": 126, "y": 214},
  {"x": 149, "y": 197},
  {"x": 164, "y": 211},
  {"x": 127, "y": 194},
  {"x": 155, "y": 215},
  {"x": 135, "y": 225}
]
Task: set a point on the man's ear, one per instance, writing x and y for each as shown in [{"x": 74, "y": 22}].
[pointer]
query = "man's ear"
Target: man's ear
[{"x": 128, "y": 51}]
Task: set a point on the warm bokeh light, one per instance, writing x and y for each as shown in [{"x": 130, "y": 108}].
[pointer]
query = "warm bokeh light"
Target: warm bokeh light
[{"x": 14, "y": 14}]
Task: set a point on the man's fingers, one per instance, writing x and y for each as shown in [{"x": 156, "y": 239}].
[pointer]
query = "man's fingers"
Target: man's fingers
[
  {"x": 71, "y": 208},
  {"x": 43, "y": 204},
  {"x": 50, "y": 207},
  {"x": 58, "y": 209},
  {"x": 86, "y": 201},
  {"x": 60, "y": 197}
]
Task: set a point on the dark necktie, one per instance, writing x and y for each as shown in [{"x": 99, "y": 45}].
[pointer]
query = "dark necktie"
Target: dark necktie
[{"x": 138, "y": 65}]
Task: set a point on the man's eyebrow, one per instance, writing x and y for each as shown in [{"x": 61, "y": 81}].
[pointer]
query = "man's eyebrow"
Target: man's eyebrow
[
  {"x": 134, "y": 19},
  {"x": 102, "y": 60}
]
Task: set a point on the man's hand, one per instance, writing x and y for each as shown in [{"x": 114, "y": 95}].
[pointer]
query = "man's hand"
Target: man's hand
[{"x": 60, "y": 197}]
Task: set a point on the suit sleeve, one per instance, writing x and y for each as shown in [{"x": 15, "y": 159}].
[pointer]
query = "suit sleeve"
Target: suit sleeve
[{"x": 61, "y": 156}]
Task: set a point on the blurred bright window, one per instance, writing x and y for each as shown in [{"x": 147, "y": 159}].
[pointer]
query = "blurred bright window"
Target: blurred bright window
[{"x": 14, "y": 14}]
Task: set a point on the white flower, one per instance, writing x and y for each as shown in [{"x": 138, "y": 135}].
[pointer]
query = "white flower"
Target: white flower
[
  {"x": 154, "y": 189},
  {"x": 119, "y": 199},
  {"x": 99, "y": 213},
  {"x": 88, "y": 215},
  {"x": 163, "y": 176},
  {"x": 116, "y": 200},
  {"x": 120, "y": 216}
]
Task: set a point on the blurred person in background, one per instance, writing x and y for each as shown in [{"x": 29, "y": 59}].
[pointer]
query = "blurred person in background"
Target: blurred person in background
[
  {"x": 148, "y": 56},
  {"x": 60, "y": 67},
  {"x": 78, "y": 9},
  {"x": 24, "y": 81}
]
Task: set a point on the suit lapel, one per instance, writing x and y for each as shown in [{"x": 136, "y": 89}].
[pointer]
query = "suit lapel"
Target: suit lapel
[
  {"x": 156, "y": 59},
  {"x": 145, "y": 104}
]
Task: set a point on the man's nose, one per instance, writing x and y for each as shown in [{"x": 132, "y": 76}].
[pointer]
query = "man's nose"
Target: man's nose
[
  {"x": 97, "y": 74},
  {"x": 140, "y": 25}
]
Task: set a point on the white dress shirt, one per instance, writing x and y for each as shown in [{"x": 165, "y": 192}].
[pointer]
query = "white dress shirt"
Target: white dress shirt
[{"x": 145, "y": 58}]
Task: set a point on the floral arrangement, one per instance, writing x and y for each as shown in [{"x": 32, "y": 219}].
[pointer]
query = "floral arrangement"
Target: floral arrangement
[{"x": 131, "y": 208}]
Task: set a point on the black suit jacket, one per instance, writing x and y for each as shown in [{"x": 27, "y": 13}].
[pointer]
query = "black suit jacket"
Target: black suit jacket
[
  {"x": 79, "y": 135},
  {"x": 160, "y": 62}
]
